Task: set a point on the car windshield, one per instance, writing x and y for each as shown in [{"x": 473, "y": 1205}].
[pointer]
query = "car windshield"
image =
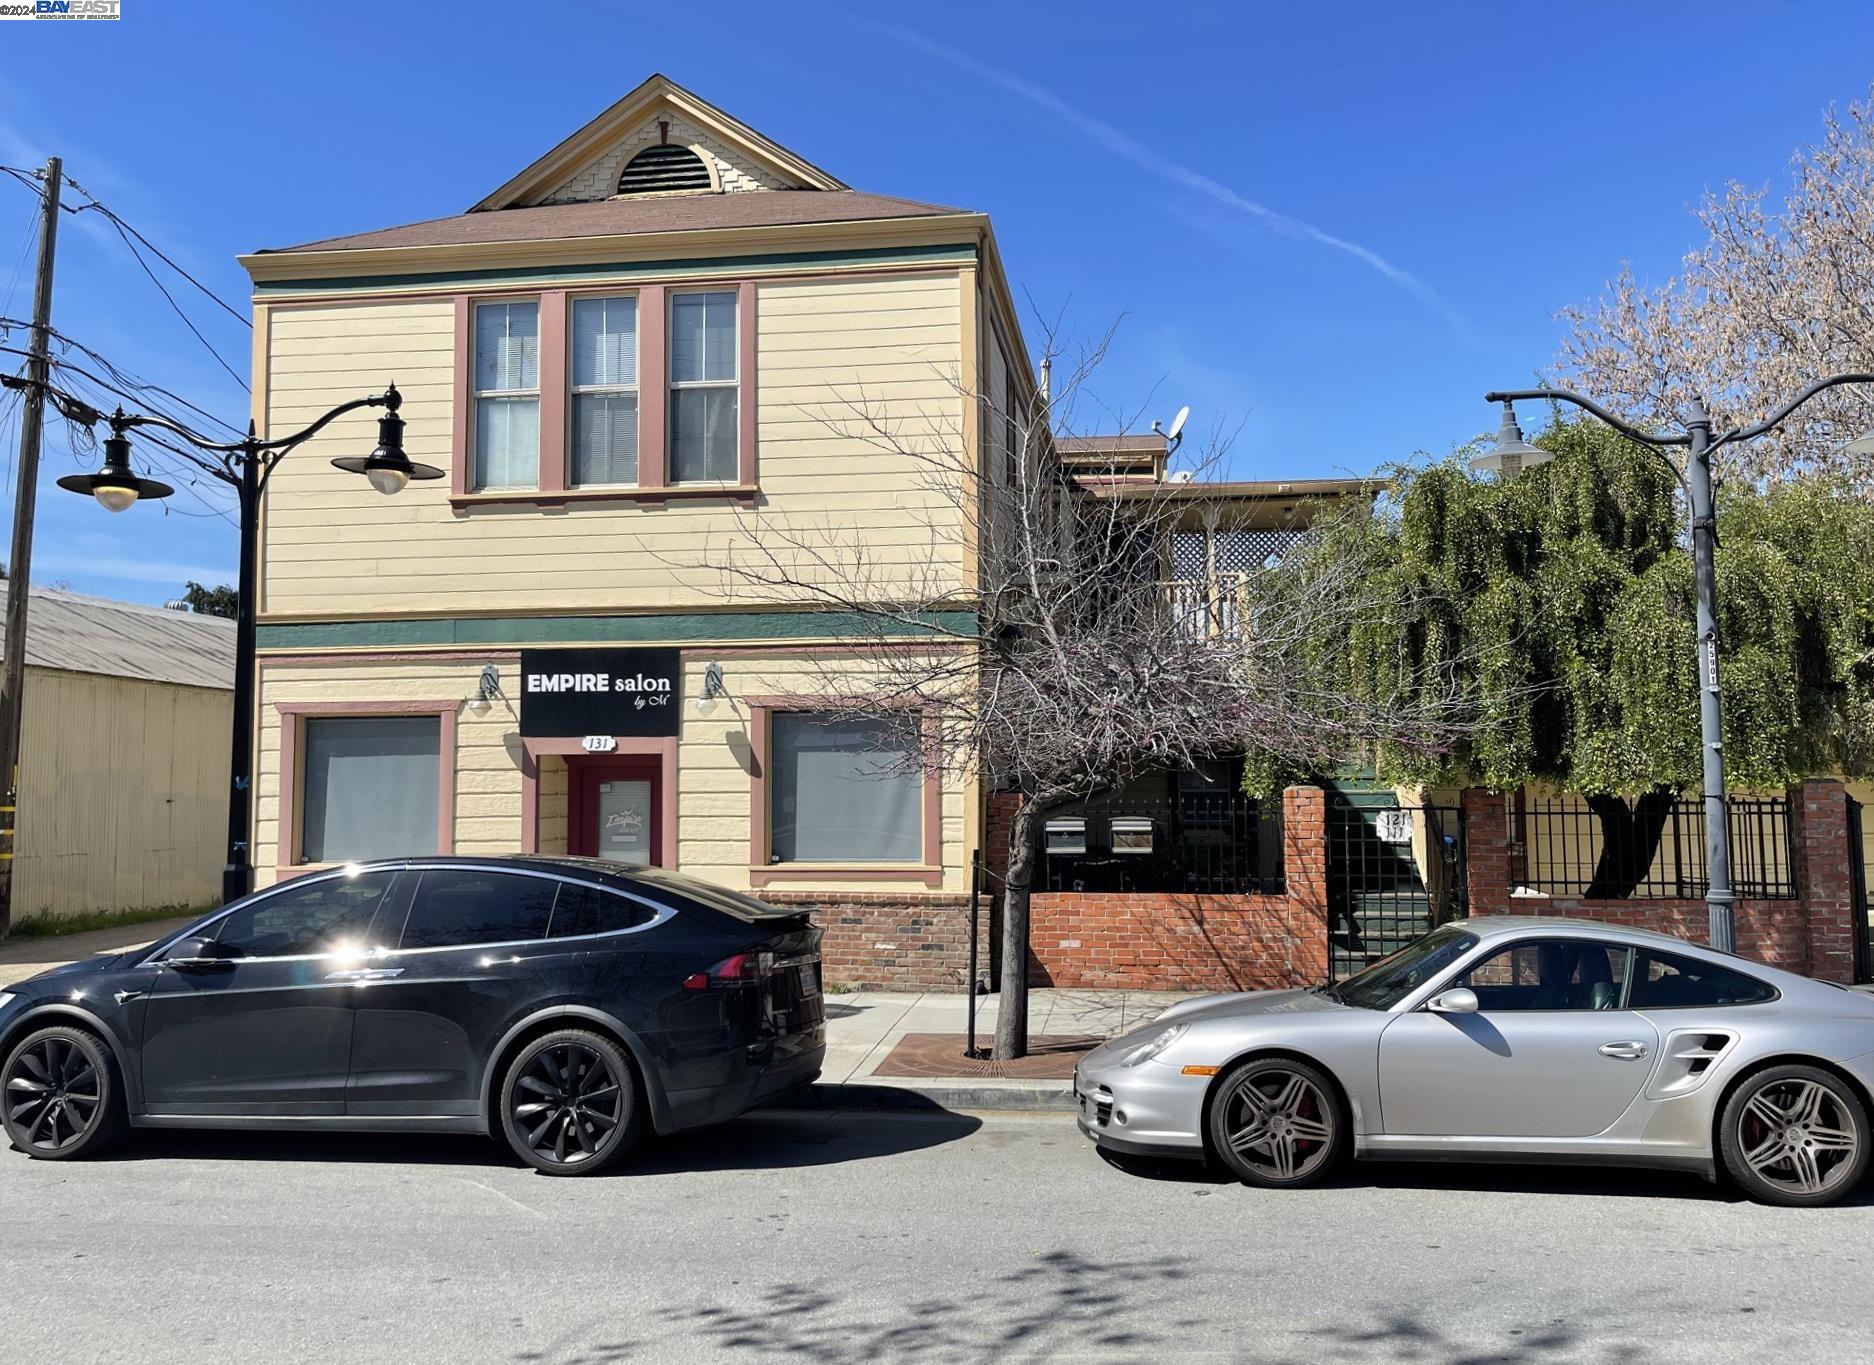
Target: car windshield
[{"x": 1397, "y": 975}]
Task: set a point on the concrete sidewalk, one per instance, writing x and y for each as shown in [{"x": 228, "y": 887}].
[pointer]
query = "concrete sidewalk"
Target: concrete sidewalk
[
  {"x": 24, "y": 957},
  {"x": 862, "y": 1028}
]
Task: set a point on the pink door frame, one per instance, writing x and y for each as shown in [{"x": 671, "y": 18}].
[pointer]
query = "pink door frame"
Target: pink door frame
[{"x": 662, "y": 751}]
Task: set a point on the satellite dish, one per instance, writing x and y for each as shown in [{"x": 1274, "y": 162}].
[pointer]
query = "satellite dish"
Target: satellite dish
[{"x": 1177, "y": 423}]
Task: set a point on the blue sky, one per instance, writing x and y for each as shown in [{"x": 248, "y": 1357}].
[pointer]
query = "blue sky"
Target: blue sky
[{"x": 1327, "y": 228}]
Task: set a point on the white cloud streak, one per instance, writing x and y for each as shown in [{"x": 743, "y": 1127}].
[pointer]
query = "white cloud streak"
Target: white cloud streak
[{"x": 1129, "y": 148}]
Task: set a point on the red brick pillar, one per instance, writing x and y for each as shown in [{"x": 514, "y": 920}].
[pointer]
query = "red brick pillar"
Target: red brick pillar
[
  {"x": 1487, "y": 850},
  {"x": 1304, "y": 868},
  {"x": 1824, "y": 879}
]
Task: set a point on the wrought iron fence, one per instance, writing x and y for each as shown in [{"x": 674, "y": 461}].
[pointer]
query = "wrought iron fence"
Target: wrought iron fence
[
  {"x": 1652, "y": 849},
  {"x": 1393, "y": 873},
  {"x": 1210, "y": 841}
]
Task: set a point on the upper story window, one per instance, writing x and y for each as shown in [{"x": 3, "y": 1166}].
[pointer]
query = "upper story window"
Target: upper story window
[
  {"x": 703, "y": 417},
  {"x": 507, "y": 394},
  {"x": 664, "y": 167},
  {"x": 605, "y": 391}
]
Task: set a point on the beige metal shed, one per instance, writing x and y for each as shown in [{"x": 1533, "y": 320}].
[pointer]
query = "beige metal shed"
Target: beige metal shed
[{"x": 124, "y": 756}]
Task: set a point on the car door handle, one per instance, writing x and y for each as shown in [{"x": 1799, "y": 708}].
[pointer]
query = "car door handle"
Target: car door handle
[
  {"x": 355, "y": 974},
  {"x": 1626, "y": 1052},
  {"x": 365, "y": 974}
]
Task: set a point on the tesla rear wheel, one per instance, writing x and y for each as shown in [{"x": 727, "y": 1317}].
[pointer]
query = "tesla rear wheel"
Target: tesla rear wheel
[
  {"x": 1794, "y": 1135},
  {"x": 569, "y": 1105},
  {"x": 1275, "y": 1122},
  {"x": 60, "y": 1094}
]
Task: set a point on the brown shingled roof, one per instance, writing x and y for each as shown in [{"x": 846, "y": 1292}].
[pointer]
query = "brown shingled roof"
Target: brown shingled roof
[{"x": 629, "y": 217}]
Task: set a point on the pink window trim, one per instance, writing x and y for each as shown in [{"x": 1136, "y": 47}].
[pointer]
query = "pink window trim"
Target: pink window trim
[
  {"x": 761, "y": 872},
  {"x": 653, "y": 484},
  {"x": 663, "y": 750},
  {"x": 292, "y": 739}
]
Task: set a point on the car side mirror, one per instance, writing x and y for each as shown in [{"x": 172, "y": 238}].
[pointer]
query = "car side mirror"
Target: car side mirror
[
  {"x": 198, "y": 952},
  {"x": 1457, "y": 1000}
]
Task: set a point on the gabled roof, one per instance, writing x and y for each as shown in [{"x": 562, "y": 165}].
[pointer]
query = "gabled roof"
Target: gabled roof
[
  {"x": 643, "y": 104},
  {"x": 79, "y": 634},
  {"x": 627, "y": 217}
]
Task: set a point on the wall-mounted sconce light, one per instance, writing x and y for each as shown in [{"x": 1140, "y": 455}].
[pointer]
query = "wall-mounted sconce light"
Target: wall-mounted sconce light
[
  {"x": 713, "y": 690},
  {"x": 486, "y": 690}
]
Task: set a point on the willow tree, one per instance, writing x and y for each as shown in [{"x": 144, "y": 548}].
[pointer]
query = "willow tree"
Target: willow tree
[{"x": 1560, "y": 604}]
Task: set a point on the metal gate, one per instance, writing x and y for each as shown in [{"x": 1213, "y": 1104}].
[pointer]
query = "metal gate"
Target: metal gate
[
  {"x": 1863, "y": 913},
  {"x": 1393, "y": 873}
]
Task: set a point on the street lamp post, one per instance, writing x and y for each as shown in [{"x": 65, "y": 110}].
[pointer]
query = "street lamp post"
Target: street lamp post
[
  {"x": 246, "y": 466},
  {"x": 1511, "y": 454}
]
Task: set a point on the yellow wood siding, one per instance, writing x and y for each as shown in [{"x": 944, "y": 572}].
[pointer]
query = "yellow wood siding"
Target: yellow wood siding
[
  {"x": 713, "y": 761},
  {"x": 124, "y": 794},
  {"x": 827, "y": 350}
]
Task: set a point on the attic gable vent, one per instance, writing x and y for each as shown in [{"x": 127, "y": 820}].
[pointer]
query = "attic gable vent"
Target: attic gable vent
[{"x": 664, "y": 167}]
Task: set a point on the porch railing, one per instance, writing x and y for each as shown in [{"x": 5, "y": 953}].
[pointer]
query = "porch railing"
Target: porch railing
[{"x": 1207, "y": 608}]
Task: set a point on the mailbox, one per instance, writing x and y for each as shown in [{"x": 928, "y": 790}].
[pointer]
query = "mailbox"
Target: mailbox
[
  {"x": 1067, "y": 836},
  {"x": 1132, "y": 834}
]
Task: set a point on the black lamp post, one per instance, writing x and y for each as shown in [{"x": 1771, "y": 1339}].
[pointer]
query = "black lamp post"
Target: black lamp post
[
  {"x": 246, "y": 465},
  {"x": 1511, "y": 454}
]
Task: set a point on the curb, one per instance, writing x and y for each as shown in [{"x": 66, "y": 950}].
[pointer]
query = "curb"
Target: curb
[{"x": 935, "y": 1096}]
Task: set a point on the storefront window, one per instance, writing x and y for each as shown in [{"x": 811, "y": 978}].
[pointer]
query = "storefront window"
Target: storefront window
[
  {"x": 370, "y": 788},
  {"x": 845, "y": 789}
]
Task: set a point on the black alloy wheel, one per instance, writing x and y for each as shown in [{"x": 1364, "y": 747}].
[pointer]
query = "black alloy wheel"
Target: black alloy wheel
[
  {"x": 569, "y": 1105},
  {"x": 60, "y": 1094}
]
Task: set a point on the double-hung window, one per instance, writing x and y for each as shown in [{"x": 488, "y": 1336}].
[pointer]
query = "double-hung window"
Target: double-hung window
[
  {"x": 845, "y": 789},
  {"x": 703, "y": 417},
  {"x": 507, "y": 394},
  {"x": 605, "y": 391}
]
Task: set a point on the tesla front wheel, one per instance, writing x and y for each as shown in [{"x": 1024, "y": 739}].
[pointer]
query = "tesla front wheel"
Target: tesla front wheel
[
  {"x": 569, "y": 1105},
  {"x": 1794, "y": 1135},
  {"x": 61, "y": 1095},
  {"x": 1275, "y": 1122}
]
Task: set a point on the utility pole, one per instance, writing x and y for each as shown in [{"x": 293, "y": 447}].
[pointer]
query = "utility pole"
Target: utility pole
[{"x": 19, "y": 564}]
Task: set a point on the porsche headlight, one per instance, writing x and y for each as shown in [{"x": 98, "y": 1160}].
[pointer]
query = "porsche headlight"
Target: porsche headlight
[
  {"x": 7, "y": 998},
  {"x": 1155, "y": 1045}
]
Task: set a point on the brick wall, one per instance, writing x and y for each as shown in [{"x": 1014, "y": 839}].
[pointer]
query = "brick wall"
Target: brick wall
[
  {"x": 890, "y": 942},
  {"x": 1811, "y": 934},
  {"x": 1176, "y": 941}
]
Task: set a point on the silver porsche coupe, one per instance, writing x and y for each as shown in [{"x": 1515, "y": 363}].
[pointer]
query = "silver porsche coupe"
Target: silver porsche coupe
[{"x": 1514, "y": 1038}]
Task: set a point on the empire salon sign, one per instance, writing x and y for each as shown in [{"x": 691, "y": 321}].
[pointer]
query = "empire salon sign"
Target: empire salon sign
[{"x": 571, "y": 693}]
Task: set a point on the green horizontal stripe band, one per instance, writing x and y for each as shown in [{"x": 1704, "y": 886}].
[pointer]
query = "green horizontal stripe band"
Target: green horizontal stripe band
[
  {"x": 784, "y": 260},
  {"x": 590, "y": 630}
]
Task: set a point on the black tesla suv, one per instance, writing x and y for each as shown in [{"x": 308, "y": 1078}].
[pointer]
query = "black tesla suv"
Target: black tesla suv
[{"x": 567, "y": 1004}]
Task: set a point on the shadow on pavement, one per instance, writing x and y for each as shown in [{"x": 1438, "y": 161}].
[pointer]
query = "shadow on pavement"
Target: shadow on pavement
[
  {"x": 759, "y": 1141},
  {"x": 1068, "y": 1306},
  {"x": 1061, "y": 1305}
]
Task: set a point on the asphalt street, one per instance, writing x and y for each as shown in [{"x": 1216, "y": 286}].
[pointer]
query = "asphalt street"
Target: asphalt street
[{"x": 882, "y": 1237}]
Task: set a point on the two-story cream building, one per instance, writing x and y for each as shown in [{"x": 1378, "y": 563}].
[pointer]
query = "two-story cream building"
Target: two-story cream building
[{"x": 636, "y": 348}]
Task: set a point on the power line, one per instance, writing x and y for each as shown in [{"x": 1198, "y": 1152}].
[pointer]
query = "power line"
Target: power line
[
  {"x": 130, "y": 237},
  {"x": 176, "y": 307},
  {"x": 161, "y": 255}
]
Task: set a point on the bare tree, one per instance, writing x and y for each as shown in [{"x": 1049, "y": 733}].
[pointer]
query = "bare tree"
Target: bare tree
[
  {"x": 1778, "y": 295},
  {"x": 1028, "y": 621}
]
